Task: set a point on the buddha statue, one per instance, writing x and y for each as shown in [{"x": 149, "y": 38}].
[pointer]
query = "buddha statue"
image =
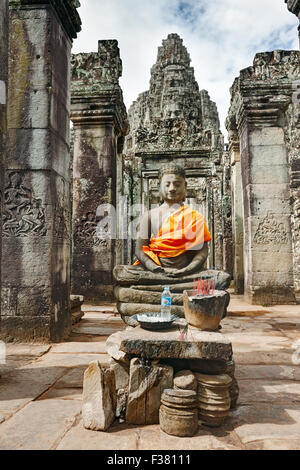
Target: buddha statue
[{"x": 171, "y": 249}]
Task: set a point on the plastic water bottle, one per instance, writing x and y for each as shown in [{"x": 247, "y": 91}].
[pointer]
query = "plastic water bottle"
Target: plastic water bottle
[{"x": 166, "y": 302}]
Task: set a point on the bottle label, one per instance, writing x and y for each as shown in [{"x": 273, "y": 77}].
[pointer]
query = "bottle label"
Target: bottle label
[{"x": 166, "y": 301}]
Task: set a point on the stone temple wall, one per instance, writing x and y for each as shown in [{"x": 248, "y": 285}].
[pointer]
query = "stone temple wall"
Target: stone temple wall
[
  {"x": 175, "y": 121},
  {"x": 263, "y": 125}
]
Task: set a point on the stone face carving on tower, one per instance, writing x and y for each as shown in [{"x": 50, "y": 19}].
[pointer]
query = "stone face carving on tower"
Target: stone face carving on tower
[
  {"x": 100, "y": 122},
  {"x": 175, "y": 121},
  {"x": 264, "y": 117},
  {"x": 173, "y": 114}
]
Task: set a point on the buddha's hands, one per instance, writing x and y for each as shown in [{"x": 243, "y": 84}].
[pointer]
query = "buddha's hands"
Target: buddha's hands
[
  {"x": 172, "y": 272},
  {"x": 157, "y": 269}
]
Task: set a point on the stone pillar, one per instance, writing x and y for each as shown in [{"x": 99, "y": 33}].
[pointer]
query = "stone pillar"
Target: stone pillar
[
  {"x": 3, "y": 101},
  {"x": 218, "y": 222},
  {"x": 260, "y": 99},
  {"x": 227, "y": 215},
  {"x": 100, "y": 120},
  {"x": 237, "y": 221},
  {"x": 294, "y": 7},
  {"x": 36, "y": 235}
]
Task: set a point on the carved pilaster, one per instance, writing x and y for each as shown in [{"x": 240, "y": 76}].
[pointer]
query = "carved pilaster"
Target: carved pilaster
[
  {"x": 36, "y": 214},
  {"x": 100, "y": 123},
  {"x": 261, "y": 97},
  {"x": 3, "y": 109}
]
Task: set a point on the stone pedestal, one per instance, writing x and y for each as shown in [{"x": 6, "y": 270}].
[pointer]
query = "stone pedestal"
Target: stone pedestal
[
  {"x": 36, "y": 219},
  {"x": 263, "y": 114},
  {"x": 156, "y": 354},
  {"x": 99, "y": 118},
  {"x": 142, "y": 290}
]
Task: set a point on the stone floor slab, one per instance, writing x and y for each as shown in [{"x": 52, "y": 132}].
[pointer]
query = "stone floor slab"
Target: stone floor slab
[
  {"x": 251, "y": 357},
  {"x": 264, "y": 421},
  {"x": 39, "y": 426},
  {"x": 116, "y": 438},
  {"x": 267, "y": 391},
  {"x": 80, "y": 348},
  {"x": 238, "y": 307},
  {"x": 95, "y": 330},
  {"x": 275, "y": 444},
  {"x": 63, "y": 394},
  {"x": 72, "y": 379},
  {"x": 271, "y": 372},
  {"x": 23, "y": 349},
  {"x": 153, "y": 438},
  {"x": 25, "y": 385},
  {"x": 109, "y": 308},
  {"x": 72, "y": 360}
]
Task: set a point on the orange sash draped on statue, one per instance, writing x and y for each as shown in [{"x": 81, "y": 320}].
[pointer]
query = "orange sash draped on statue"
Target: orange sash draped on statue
[{"x": 183, "y": 230}]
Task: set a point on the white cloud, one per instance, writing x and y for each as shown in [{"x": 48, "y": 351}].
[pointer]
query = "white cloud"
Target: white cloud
[{"x": 222, "y": 37}]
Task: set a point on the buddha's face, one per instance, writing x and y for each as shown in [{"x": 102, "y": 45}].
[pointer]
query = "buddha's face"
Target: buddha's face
[{"x": 173, "y": 188}]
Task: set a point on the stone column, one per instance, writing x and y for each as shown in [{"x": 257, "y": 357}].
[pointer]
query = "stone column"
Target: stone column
[
  {"x": 237, "y": 218},
  {"x": 294, "y": 7},
  {"x": 100, "y": 120},
  {"x": 217, "y": 222},
  {"x": 3, "y": 101},
  {"x": 260, "y": 99},
  {"x": 36, "y": 236},
  {"x": 227, "y": 215}
]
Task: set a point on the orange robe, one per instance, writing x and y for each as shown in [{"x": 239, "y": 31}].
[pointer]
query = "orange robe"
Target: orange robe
[{"x": 182, "y": 231}]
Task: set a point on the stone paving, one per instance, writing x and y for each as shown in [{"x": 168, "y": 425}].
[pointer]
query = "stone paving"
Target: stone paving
[{"x": 41, "y": 388}]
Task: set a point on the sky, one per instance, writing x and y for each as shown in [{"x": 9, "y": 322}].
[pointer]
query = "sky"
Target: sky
[{"x": 221, "y": 36}]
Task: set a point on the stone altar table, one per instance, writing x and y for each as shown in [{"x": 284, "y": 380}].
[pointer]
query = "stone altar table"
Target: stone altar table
[{"x": 171, "y": 344}]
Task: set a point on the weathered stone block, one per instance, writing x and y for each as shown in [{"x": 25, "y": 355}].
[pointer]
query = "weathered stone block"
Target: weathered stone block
[
  {"x": 195, "y": 344},
  {"x": 113, "y": 345},
  {"x": 275, "y": 261},
  {"x": 264, "y": 156},
  {"x": 146, "y": 385},
  {"x": 267, "y": 136},
  {"x": 185, "y": 380},
  {"x": 258, "y": 175},
  {"x": 99, "y": 397},
  {"x": 121, "y": 372}
]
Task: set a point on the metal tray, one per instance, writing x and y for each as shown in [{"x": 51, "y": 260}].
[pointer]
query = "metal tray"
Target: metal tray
[{"x": 153, "y": 325}]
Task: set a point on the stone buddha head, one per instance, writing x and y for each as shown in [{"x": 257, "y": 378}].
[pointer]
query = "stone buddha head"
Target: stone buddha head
[{"x": 172, "y": 183}]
